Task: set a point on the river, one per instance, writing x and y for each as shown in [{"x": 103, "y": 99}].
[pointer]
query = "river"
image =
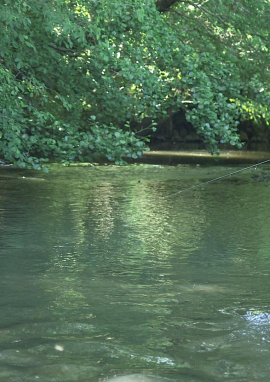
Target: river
[{"x": 102, "y": 275}]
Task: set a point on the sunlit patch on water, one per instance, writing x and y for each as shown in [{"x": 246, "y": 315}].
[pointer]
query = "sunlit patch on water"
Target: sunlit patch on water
[
  {"x": 255, "y": 316},
  {"x": 258, "y": 317},
  {"x": 203, "y": 288},
  {"x": 59, "y": 347},
  {"x": 103, "y": 279},
  {"x": 251, "y": 326}
]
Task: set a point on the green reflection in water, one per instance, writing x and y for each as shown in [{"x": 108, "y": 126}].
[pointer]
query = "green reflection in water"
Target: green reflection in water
[{"x": 102, "y": 276}]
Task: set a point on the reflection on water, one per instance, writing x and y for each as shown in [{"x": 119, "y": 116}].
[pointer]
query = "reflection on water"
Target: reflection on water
[{"x": 101, "y": 277}]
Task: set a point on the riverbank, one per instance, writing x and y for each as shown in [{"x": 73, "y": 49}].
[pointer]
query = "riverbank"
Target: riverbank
[
  {"x": 192, "y": 157},
  {"x": 203, "y": 157}
]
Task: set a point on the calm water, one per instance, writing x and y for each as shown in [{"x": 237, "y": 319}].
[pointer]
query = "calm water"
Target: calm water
[{"x": 100, "y": 276}]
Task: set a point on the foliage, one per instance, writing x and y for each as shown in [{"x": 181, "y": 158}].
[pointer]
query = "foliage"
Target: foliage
[
  {"x": 230, "y": 40},
  {"x": 74, "y": 76}
]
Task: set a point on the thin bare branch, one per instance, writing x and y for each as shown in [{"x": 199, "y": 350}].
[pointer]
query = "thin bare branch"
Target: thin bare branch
[{"x": 70, "y": 52}]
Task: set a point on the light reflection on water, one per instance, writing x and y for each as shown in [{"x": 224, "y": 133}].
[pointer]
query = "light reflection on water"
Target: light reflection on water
[{"x": 101, "y": 276}]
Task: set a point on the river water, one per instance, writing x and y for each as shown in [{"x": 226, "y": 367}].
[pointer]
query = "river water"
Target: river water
[{"x": 102, "y": 277}]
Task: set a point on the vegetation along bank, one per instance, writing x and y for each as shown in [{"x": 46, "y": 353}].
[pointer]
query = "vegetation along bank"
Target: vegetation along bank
[{"x": 85, "y": 79}]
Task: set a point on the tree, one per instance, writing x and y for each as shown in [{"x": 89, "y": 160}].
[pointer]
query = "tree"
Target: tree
[
  {"x": 76, "y": 75},
  {"x": 231, "y": 39}
]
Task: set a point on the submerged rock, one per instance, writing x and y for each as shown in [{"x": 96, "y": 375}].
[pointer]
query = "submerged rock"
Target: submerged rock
[
  {"x": 261, "y": 177},
  {"x": 257, "y": 317}
]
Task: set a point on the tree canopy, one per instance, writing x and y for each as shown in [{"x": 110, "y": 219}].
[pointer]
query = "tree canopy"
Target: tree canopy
[{"x": 76, "y": 75}]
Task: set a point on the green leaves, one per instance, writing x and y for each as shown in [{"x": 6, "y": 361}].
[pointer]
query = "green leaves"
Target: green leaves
[
  {"x": 114, "y": 143},
  {"x": 76, "y": 77}
]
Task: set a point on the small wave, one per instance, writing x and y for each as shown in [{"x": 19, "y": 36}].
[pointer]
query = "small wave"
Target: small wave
[
  {"x": 156, "y": 360},
  {"x": 257, "y": 317},
  {"x": 137, "y": 378}
]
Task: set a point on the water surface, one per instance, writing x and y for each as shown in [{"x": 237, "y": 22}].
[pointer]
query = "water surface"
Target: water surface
[{"x": 101, "y": 276}]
